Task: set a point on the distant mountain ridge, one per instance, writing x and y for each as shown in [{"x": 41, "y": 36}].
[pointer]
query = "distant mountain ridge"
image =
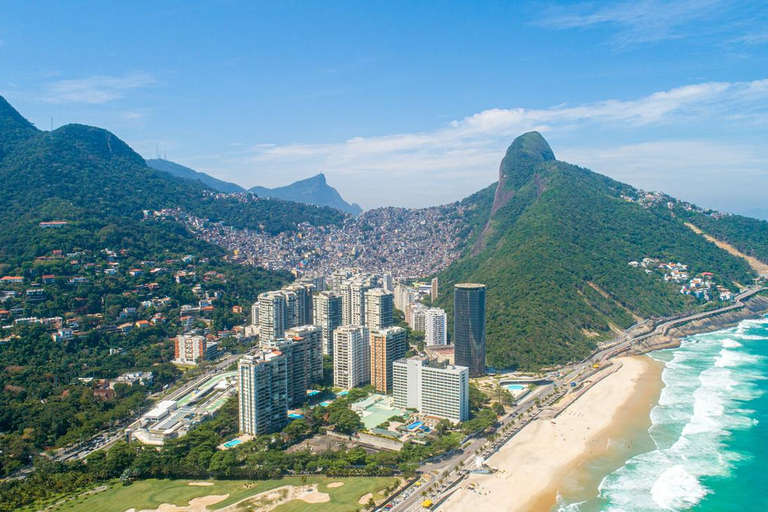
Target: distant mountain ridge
[
  {"x": 92, "y": 179},
  {"x": 181, "y": 171},
  {"x": 314, "y": 190}
]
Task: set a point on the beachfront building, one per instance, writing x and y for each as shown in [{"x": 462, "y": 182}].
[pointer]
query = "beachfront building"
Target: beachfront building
[
  {"x": 435, "y": 327},
  {"x": 351, "y": 356},
  {"x": 379, "y": 305},
  {"x": 433, "y": 388},
  {"x": 263, "y": 398},
  {"x": 387, "y": 346},
  {"x": 469, "y": 327},
  {"x": 326, "y": 310},
  {"x": 272, "y": 313}
]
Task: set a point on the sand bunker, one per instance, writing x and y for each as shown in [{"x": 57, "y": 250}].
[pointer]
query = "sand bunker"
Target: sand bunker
[
  {"x": 269, "y": 500},
  {"x": 195, "y": 505},
  {"x": 315, "y": 497},
  {"x": 364, "y": 499},
  {"x": 200, "y": 484},
  {"x": 333, "y": 485}
]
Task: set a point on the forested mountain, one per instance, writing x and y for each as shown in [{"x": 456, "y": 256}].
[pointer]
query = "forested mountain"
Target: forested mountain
[
  {"x": 80, "y": 172},
  {"x": 108, "y": 254},
  {"x": 191, "y": 174},
  {"x": 314, "y": 190},
  {"x": 552, "y": 241}
]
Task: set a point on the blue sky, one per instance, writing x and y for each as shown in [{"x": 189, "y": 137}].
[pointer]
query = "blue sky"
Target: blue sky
[{"x": 409, "y": 103}]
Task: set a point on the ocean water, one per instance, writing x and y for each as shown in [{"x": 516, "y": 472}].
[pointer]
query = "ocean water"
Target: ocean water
[{"x": 708, "y": 446}]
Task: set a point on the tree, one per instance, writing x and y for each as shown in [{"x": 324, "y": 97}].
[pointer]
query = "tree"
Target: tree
[{"x": 346, "y": 421}]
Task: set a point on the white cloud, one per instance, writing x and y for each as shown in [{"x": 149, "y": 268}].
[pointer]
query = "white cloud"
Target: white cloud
[
  {"x": 636, "y": 21},
  {"x": 94, "y": 89},
  {"x": 448, "y": 163}
]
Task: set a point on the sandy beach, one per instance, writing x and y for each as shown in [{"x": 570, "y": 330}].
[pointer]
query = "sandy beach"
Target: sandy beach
[{"x": 532, "y": 465}]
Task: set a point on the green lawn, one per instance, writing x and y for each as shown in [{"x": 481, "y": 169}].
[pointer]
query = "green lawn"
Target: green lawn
[{"x": 149, "y": 494}]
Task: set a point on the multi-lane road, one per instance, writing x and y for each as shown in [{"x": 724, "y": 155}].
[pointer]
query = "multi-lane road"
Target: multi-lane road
[
  {"x": 454, "y": 467},
  {"x": 107, "y": 438}
]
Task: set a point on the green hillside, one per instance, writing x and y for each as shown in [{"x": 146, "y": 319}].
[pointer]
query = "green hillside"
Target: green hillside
[
  {"x": 553, "y": 249},
  {"x": 109, "y": 257},
  {"x": 93, "y": 170},
  {"x": 749, "y": 236}
]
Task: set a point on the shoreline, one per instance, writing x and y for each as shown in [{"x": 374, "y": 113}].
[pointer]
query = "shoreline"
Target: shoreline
[
  {"x": 541, "y": 459},
  {"x": 754, "y": 307},
  {"x": 531, "y": 466}
]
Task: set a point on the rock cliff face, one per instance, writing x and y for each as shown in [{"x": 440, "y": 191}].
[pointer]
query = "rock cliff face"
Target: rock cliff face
[
  {"x": 553, "y": 248},
  {"x": 314, "y": 190}
]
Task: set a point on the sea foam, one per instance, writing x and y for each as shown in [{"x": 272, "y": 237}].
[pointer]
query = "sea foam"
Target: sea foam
[{"x": 708, "y": 382}]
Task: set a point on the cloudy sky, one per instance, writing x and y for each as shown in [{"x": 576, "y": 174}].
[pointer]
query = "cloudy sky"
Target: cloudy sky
[{"x": 410, "y": 103}]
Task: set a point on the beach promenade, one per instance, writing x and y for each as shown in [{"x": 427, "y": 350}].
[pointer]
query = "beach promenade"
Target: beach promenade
[{"x": 528, "y": 469}]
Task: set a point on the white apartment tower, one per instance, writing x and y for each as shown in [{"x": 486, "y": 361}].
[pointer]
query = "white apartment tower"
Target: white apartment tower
[
  {"x": 435, "y": 327},
  {"x": 351, "y": 356},
  {"x": 434, "y": 389},
  {"x": 326, "y": 311},
  {"x": 272, "y": 312}
]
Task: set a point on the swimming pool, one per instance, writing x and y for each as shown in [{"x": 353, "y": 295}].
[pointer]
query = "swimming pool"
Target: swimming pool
[
  {"x": 295, "y": 416},
  {"x": 234, "y": 442},
  {"x": 515, "y": 387},
  {"x": 415, "y": 425}
]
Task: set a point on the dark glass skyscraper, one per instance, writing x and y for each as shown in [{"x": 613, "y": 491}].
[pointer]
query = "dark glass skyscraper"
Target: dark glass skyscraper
[{"x": 469, "y": 327}]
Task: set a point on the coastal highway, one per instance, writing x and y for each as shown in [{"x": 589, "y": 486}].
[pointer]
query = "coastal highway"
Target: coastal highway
[
  {"x": 452, "y": 469},
  {"x": 668, "y": 323}
]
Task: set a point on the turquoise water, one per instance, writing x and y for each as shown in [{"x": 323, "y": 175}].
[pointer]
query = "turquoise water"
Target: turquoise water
[
  {"x": 234, "y": 442},
  {"x": 709, "y": 430},
  {"x": 515, "y": 387}
]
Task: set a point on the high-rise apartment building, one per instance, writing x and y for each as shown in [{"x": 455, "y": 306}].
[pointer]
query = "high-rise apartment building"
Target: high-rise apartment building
[
  {"x": 255, "y": 314},
  {"x": 351, "y": 356},
  {"x": 272, "y": 313},
  {"x": 263, "y": 398},
  {"x": 435, "y": 327},
  {"x": 434, "y": 389},
  {"x": 416, "y": 315},
  {"x": 387, "y": 282},
  {"x": 327, "y": 314},
  {"x": 469, "y": 327},
  {"x": 379, "y": 305},
  {"x": 352, "y": 293},
  {"x": 312, "y": 336},
  {"x": 298, "y": 298},
  {"x": 433, "y": 289},
  {"x": 387, "y": 346}
]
